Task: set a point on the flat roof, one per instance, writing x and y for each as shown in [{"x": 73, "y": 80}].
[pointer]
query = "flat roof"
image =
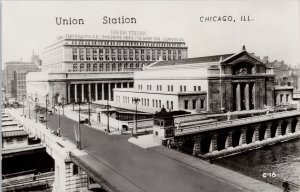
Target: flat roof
[
  {"x": 206, "y": 59},
  {"x": 14, "y": 133}
]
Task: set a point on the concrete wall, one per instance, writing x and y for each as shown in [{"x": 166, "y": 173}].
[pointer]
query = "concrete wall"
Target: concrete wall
[{"x": 15, "y": 142}]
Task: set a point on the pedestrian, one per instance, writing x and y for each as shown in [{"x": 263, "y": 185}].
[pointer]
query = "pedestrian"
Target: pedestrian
[
  {"x": 286, "y": 186},
  {"x": 168, "y": 143},
  {"x": 210, "y": 159}
]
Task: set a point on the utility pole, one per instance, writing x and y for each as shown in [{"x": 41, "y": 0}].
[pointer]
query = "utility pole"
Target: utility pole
[
  {"x": 28, "y": 108},
  {"x": 47, "y": 111},
  {"x": 63, "y": 105},
  {"x": 24, "y": 96},
  {"x": 79, "y": 130},
  {"x": 108, "y": 106},
  {"x": 36, "y": 102},
  {"x": 136, "y": 100}
]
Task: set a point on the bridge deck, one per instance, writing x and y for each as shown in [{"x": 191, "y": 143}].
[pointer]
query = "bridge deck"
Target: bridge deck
[
  {"x": 128, "y": 167},
  {"x": 232, "y": 123}
]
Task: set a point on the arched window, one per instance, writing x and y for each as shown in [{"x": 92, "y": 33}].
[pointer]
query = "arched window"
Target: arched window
[
  {"x": 81, "y": 67},
  {"x": 75, "y": 68}
]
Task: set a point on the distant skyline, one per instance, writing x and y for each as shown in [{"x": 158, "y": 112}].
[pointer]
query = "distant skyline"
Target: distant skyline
[{"x": 273, "y": 29}]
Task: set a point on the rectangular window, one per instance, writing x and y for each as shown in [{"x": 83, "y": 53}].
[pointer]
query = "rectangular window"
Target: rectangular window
[
  {"x": 195, "y": 88},
  {"x": 199, "y": 88},
  {"x": 180, "y": 88},
  {"x": 281, "y": 98},
  {"x": 159, "y": 103},
  {"x": 9, "y": 140},
  {"x": 172, "y": 88},
  {"x": 168, "y": 87},
  {"x": 172, "y": 105},
  {"x": 194, "y": 104},
  {"x": 75, "y": 169},
  {"x": 153, "y": 104},
  {"x": 184, "y": 88},
  {"x": 19, "y": 139},
  {"x": 167, "y": 104},
  {"x": 287, "y": 98},
  {"x": 186, "y": 104}
]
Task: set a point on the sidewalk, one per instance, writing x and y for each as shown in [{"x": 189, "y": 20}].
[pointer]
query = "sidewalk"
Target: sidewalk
[
  {"x": 144, "y": 141},
  {"x": 96, "y": 125}
]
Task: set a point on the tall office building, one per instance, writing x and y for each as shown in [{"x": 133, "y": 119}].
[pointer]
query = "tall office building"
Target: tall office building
[{"x": 15, "y": 77}]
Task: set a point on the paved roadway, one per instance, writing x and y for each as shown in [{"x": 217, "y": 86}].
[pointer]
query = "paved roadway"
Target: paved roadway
[{"x": 147, "y": 169}]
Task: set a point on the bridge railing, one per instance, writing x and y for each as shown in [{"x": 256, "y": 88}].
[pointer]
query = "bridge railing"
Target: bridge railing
[{"x": 236, "y": 122}]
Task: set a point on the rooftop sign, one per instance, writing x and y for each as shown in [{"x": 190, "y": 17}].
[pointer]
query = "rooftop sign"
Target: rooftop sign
[{"x": 122, "y": 35}]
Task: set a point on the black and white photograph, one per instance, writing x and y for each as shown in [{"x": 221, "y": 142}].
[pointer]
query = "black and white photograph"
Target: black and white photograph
[{"x": 150, "y": 96}]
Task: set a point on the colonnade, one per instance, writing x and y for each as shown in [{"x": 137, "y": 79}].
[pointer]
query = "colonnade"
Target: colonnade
[
  {"x": 93, "y": 91},
  {"x": 244, "y": 96},
  {"x": 224, "y": 139}
]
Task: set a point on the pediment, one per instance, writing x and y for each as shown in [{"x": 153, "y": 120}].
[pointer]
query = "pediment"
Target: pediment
[{"x": 242, "y": 57}]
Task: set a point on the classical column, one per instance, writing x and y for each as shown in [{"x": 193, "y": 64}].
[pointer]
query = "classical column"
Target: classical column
[
  {"x": 109, "y": 92},
  {"x": 197, "y": 145},
  {"x": 89, "y": 92},
  {"x": 82, "y": 92},
  {"x": 122, "y": 85},
  {"x": 96, "y": 91},
  {"x": 102, "y": 91},
  {"x": 69, "y": 93},
  {"x": 238, "y": 97},
  {"x": 246, "y": 93},
  {"x": 228, "y": 142},
  {"x": 127, "y": 85},
  {"x": 75, "y": 88}
]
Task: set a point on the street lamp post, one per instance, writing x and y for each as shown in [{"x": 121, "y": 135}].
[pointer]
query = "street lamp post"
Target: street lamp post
[
  {"x": 63, "y": 105},
  {"x": 24, "y": 96},
  {"x": 89, "y": 101},
  {"x": 36, "y": 102},
  {"x": 136, "y": 100},
  {"x": 47, "y": 95},
  {"x": 107, "y": 106},
  {"x": 29, "y": 107},
  {"x": 79, "y": 129}
]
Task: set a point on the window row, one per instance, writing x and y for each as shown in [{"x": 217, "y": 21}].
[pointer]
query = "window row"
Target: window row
[
  {"x": 194, "y": 104},
  {"x": 127, "y": 43},
  {"x": 170, "y": 88},
  {"x": 106, "y": 66},
  {"x": 122, "y": 54}
]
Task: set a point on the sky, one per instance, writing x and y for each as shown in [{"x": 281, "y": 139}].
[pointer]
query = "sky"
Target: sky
[{"x": 273, "y": 29}]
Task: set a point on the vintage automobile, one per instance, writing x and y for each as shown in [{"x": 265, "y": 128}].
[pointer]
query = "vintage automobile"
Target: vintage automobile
[{"x": 42, "y": 118}]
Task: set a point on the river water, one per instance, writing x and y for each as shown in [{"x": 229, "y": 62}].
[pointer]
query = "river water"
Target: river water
[{"x": 272, "y": 164}]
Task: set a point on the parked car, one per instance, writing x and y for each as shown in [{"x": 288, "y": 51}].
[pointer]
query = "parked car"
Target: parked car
[{"x": 42, "y": 118}]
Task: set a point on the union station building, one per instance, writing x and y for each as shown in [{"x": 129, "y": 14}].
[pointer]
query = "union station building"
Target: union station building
[
  {"x": 212, "y": 84},
  {"x": 80, "y": 67}
]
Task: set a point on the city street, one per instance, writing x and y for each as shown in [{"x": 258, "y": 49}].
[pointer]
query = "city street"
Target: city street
[{"x": 148, "y": 169}]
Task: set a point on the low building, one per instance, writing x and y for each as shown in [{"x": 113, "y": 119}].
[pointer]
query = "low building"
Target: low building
[
  {"x": 13, "y": 136},
  {"x": 213, "y": 84}
]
